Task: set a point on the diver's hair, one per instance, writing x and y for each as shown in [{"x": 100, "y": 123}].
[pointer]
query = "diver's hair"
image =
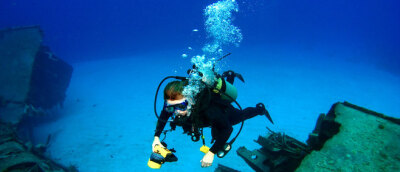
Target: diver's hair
[{"x": 174, "y": 89}]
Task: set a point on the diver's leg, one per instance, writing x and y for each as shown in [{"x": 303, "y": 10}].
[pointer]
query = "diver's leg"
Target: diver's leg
[
  {"x": 236, "y": 115},
  {"x": 264, "y": 111},
  {"x": 230, "y": 76}
]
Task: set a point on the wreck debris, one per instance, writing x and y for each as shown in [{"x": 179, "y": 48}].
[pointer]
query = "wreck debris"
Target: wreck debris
[
  {"x": 279, "y": 152},
  {"x": 17, "y": 156},
  {"x": 32, "y": 77},
  {"x": 223, "y": 168},
  {"x": 349, "y": 137},
  {"x": 33, "y": 80},
  {"x": 361, "y": 143}
]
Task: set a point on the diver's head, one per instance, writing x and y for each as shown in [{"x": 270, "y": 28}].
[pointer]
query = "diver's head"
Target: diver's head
[
  {"x": 174, "y": 89},
  {"x": 178, "y": 107},
  {"x": 175, "y": 102}
]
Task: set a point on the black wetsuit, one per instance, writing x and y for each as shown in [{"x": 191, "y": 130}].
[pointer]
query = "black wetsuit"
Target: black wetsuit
[{"x": 218, "y": 114}]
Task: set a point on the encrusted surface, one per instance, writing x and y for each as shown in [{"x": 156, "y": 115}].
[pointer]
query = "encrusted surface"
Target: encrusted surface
[{"x": 364, "y": 143}]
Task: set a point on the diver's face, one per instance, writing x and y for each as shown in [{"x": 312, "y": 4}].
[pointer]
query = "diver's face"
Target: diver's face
[{"x": 177, "y": 111}]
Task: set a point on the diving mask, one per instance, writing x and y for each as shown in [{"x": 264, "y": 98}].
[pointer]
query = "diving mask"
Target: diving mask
[{"x": 172, "y": 108}]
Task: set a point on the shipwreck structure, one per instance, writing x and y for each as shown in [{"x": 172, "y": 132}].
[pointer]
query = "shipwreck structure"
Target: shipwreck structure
[
  {"x": 32, "y": 80},
  {"x": 348, "y": 137},
  {"x": 15, "y": 155},
  {"x": 32, "y": 77}
]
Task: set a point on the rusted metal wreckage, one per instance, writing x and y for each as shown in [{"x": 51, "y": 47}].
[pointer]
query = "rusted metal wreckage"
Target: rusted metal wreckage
[
  {"x": 32, "y": 80},
  {"x": 348, "y": 137}
]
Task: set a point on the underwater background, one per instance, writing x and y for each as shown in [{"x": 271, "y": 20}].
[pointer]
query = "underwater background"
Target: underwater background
[{"x": 298, "y": 57}]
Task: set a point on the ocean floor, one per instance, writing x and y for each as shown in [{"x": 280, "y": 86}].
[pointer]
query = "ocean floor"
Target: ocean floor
[{"x": 107, "y": 121}]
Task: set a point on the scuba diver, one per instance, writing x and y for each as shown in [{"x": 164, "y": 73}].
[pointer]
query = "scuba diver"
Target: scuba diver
[{"x": 210, "y": 109}]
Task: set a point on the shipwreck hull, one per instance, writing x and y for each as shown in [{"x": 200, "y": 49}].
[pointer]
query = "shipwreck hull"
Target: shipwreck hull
[
  {"x": 365, "y": 141},
  {"x": 348, "y": 137},
  {"x": 32, "y": 78}
]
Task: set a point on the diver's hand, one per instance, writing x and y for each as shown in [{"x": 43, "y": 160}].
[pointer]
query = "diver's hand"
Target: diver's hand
[
  {"x": 207, "y": 159},
  {"x": 156, "y": 142}
]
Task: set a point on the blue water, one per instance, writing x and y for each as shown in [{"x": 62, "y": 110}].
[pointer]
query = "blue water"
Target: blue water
[
  {"x": 298, "y": 57},
  {"x": 82, "y": 30}
]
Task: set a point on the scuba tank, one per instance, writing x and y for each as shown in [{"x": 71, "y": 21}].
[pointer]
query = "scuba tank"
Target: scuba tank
[{"x": 226, "y": 89}]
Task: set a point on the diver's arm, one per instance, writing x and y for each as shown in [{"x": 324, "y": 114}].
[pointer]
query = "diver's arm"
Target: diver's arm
[
  {"x": 160, "y": 127},
  {"x": 162, "y": 121},
  {"x": 222, "y": 130}
]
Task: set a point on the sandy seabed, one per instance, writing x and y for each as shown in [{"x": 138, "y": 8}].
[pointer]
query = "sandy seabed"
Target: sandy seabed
[{"x": 107, "y": 122}]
